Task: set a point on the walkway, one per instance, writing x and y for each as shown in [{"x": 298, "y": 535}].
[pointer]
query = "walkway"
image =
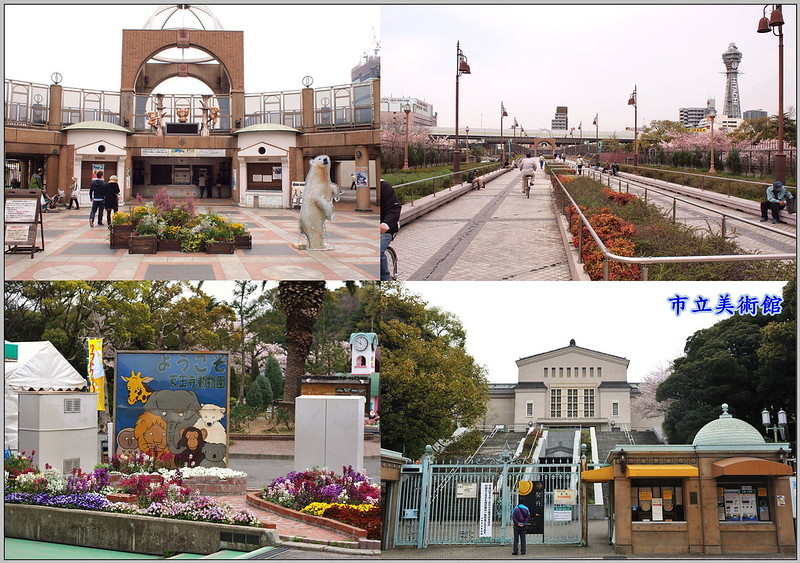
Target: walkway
[
  {"x": 491, "y": 234},
  {"x": 74, "y": 250}
]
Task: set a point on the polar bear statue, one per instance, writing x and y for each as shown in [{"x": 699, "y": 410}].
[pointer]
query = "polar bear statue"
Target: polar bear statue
[{"x": 319, "y": 194}]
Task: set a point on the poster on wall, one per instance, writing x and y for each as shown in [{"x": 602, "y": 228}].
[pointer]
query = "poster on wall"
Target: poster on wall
[
  {"x": 732, "y": 508},
  {"x": 173, "y": 406},
  {"x": 487, "y": 504},
  {"x": 97, "y": 167},
  {"x": 362, "y": 177},
  {"x": 276, "y": 172}
]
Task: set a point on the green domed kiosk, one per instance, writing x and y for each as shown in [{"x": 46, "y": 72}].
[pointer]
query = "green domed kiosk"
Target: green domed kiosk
[{"x": 729, "y": 492}]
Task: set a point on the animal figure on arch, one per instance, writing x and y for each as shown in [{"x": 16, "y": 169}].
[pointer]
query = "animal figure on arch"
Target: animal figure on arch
[
  {"x": 138, "y": 390},
  {"x": 319, "y": 194}
]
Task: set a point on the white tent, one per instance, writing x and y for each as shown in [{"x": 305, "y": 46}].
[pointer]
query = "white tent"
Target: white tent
[{"x": 39, "y": 367}]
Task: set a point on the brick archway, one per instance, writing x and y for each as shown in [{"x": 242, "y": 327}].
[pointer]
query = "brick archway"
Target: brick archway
[{"x": 540, "y": 142}]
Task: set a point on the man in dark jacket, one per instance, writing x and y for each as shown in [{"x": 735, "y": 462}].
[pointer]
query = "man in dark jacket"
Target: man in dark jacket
[
  {"x": 390, "y": 217},
  {"x": 519, "y": 519},
  {"x": 97, "y": 194}
]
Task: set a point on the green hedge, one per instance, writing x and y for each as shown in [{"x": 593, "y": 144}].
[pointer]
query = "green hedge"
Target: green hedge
[{"x": 416, "y": 191}]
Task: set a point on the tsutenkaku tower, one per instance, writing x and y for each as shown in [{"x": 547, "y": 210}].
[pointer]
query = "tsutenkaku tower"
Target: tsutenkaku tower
[{"x": 732, "y": 57}]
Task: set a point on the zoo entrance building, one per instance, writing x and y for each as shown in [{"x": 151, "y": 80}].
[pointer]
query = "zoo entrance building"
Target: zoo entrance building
[{"x": 250, "y": 147}]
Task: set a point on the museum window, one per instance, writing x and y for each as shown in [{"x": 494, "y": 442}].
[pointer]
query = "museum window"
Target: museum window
[
  {"x": 599, "y": 372},
  {"x": 615, "y": 409},
  {"x": 569, "y": 372},
  {"x": 572, "y": 403},
  {"x": 588, "y": 403},
  {"x": 591, "y": 372},
  {"x": 555, "y": 403},
  {"x": 742, "y": 499},
  {"x": 545, "y": 372},
  {"x": 529, "y": 409},
  {"x": 583, "y": 372},
  {"x": 657, "y": 500},
  {"x": 560, "y": 372}
]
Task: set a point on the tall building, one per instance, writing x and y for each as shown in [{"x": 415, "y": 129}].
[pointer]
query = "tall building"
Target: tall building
[
  {"x": 732, "y": 57},
  {"x": 422, "y": 114},
  {"x": 690, "y": 117},
  {"x": 560, "y": 121},
  {"x": 754, "y": 114}
]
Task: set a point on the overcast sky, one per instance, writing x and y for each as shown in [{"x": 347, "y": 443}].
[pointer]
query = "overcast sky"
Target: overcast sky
[
  {"x": 506, "y": 321},
  {"x": 282, "y": 44},
  {"x": 585, "y": 57}
]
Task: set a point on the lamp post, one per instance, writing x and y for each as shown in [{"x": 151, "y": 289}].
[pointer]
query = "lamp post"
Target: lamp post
[
  {"x": 514, "y": 134},
  {"x": 461, "y": 68},
  {"x": 597, "y": 134},
  {"x": 765, "y": 25},
  {"x": 634, "y": 101},
  {"x": 766, "y": 420},
  {"x": 503, "y": 114},
  {"x": 407, "y": 111},
  {"x": 712, "y": 114},
  {"x": 467, "y": 130}
]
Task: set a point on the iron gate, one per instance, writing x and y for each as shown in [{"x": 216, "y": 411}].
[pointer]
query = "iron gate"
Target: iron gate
[{"x": 470, "y": 503}]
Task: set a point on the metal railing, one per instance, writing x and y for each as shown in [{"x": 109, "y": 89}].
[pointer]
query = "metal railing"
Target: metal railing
[
  {"x": 728, "y": 181},
  {"x": 644, "y": 262},
  {"x": 595, "y": 173},
  {"x": 433, "y": 178}
]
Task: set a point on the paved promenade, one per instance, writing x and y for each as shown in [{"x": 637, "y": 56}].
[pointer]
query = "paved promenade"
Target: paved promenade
[
  {"x": 491, "y": 234},
  {"x": 74, "y": 250}
]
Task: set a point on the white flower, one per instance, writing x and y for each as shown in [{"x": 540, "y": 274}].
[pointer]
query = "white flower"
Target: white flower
[{"x": 221, "y": 472}]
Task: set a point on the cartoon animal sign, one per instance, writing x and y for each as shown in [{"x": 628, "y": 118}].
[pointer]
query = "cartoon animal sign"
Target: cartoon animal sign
[{"x": 137, "y": 387}]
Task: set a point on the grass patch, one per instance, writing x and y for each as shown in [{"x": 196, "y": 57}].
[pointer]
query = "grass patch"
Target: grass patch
[
  {"x": 656, "y": 235},
  {"x": 416, "y": 191}
]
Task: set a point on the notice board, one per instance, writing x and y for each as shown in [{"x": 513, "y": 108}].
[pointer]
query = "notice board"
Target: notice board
[{"x": 23, "y": 213}]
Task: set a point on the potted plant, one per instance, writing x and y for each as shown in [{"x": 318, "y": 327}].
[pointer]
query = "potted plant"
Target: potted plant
[
  {"x": 220, "y": 239},
  {"x": 144, "y": 239},
  {"x": 121, "y": 230},
  {"x": 169, "y": 237},
  {"x": 241, "y": 238}
]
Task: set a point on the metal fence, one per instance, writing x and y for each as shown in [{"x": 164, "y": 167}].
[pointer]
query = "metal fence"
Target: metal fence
[{"x": 471, "y": 503}]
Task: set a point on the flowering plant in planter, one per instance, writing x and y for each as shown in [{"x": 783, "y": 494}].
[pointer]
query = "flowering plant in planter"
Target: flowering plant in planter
[
  {"x": 17, "y": 464},
  {"x": 121, "y": 218},
  {"x": 299, "y": 489}
]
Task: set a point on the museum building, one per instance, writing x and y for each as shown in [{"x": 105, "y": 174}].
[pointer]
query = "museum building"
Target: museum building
[
  {"x": 249, "y": 147},
  {"x": 569, "y": 387}
]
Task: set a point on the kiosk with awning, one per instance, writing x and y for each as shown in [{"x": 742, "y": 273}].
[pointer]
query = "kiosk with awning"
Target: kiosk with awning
[{"x": 726, "y": 493}]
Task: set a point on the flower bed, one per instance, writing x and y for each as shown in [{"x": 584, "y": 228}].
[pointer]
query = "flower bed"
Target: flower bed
[{"x": 305, "y": 494}]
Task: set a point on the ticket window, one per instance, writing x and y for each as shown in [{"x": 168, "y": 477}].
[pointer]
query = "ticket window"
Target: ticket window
[
  {"x": 743, "y": 500},
  {"x": 657, "y": 500}
]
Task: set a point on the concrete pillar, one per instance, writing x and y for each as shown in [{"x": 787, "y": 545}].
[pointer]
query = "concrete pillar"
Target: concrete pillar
[
  {"x": 126, "y": 109},
  {"x": 362, "y": 192},
  {"x": 237, "y": 110},
  {"x": 329, "y": 432},
  {"x": 52, "y": 178},
  {"x": 54, "y": 116}
]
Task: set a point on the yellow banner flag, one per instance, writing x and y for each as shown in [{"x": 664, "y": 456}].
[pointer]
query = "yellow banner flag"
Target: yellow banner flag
[{"x": 97, "y": 373}]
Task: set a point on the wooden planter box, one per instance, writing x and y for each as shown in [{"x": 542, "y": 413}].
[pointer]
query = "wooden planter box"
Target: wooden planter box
[
  {"x": 121, "y": 497},
  {"x": 169, "y": 244},
  {"x": 120, "y": 235},
  {"x": 143, "y": 245},
  {"x": 219, "y": 247},
  {"x": 243, "y": 241}
]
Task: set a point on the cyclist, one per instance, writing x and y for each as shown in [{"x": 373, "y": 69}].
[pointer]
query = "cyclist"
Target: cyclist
[
  {"x": 390, "y": 223},
  {"x": 528, "y": 167}
]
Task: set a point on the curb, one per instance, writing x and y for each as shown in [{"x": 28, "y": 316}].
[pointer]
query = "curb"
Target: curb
[
  {"x": 327, "y": 548},
  {"x": 356, "y": 533}
]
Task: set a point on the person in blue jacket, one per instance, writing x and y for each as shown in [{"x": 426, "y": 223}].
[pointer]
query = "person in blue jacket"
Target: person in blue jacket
[
  {"x": 777, "y": 196},
  {"x": 519, "y": 518}
]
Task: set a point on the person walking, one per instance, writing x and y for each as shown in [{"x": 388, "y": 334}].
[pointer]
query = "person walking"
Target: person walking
[
  {"x": 201, "y": 183},
  {"x": 541, "y": 161},
  {"x": 218, "y": 183},
  {"x": 390, "y": 223},
  {"x": 352, "y": 181},
  {"x": 75, "y": 190},
  {"x": 97, "y": 194},
  {"x": 579, "y": 165},
  {"x": 777, "y": 196},
  {"x": 112, "y": 198},
  {"x": 519, "y": 518}
]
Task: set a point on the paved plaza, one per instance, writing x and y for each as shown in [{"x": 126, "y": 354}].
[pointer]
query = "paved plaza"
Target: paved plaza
[{"x": 74, "y": 250}]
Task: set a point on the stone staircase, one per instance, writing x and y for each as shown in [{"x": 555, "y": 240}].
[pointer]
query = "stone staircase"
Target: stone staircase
[{"x": 494, "y": 446}]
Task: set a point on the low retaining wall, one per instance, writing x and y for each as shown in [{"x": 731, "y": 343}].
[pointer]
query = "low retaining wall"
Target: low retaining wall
[
  {"x": 133, "y": 533},
  {"x": 426, "y": 204},
  {"x": 206, "y": 485},
  {"x": 358, "y": 534}
]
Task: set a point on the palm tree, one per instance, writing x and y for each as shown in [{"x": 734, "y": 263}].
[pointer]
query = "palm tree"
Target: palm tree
[{"x": 301, "y": 302}]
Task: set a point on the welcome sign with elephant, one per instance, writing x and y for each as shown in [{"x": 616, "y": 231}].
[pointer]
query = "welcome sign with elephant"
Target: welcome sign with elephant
[{"x": 173, "y": 406}]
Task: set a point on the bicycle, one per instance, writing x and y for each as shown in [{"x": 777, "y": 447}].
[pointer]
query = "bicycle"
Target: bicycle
[
  {"x": 528, "y": 182},
  {"x": 391, "y": 261}
]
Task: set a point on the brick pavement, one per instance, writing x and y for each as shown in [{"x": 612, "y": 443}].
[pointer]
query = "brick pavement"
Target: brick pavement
[
  {"x": 491, "y": 234},
  {"x": 74, "y": 250}
]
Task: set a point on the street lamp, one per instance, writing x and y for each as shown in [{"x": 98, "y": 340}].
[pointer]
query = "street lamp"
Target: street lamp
[
  {"x": 461, "y": 68},
  {"x": 597, "y": 134},
  {"x": 634, "y": 101},
  {"x": 712, "y": 114},
  {"x": 514, "y": 135},
  {"x": 407, "y": 111},
  {"x": 503, "y": 113},
  {"x": 467, "y": 130},
  {"x": 765, "y": 25},
  {"x": 766, "y": 420}
]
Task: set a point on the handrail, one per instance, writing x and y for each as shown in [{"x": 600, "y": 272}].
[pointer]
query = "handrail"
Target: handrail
[
  {"x": 436, "y": 178},
  {"x": 593, "y": 173},
  {"x": 645, "y": 261},
  {"x": 704, "y": 176}
]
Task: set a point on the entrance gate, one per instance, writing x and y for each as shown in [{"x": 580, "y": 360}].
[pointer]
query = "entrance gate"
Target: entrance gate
[{"x": 470, "y": 503}]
